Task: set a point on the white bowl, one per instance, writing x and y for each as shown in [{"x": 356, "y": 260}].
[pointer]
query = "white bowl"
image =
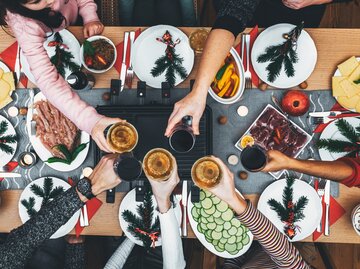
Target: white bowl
[
  {"x": 240, "y": 71},
  {"x": 93, "y": 38}
]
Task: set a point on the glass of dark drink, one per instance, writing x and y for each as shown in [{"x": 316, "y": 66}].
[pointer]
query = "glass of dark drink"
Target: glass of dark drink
[
  {"x": 253, "y": 158},
  {"x": 127, "y": 167},
  {"x": 182, "y": 139}
]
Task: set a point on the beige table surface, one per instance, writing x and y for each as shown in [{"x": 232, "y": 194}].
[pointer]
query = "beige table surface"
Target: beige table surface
[{"x": 333, "y": 45}]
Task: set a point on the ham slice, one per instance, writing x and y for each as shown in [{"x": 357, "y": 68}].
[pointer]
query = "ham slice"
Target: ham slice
[{"x": 53, "y": 128}]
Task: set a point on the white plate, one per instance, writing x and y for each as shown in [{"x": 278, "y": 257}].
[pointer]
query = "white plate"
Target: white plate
[
  {"x": 306, "y": 51},
  {"x": 43, "y": 152},
  {"x": 332, "y": 132},
  {"x": 4, "y": 157},
  {"x": 206, "y": 244},
  {"x": 147, "y": 50},
  {"x": 312, "y": 211},
  {"x": 69, "y": 40},
  {"x": 129, "y": 203},
  {"x": 27, "y": 193},
  {"x": 4, "y": 67},
  {"x": 338, "y": 74}
]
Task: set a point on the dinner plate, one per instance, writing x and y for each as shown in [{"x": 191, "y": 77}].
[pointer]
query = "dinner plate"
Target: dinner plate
[
  {"x": 338, "y": 74},
  {"x": 306, "y": 51},
  {"x": 147, "y": 50},
  {"x": 129, "y": 203},
  {"x": 208, "y": 245},
  {"x": 69, "y": 40},
  {"x": 44, "y": 154},
  {"x": 312, "y": 211},
  {"x": 5, "y": 157},
  {"x": 4, "y": 67},
  {"x": 332, "y": 132},
  {"x": 27, "y": 193}
]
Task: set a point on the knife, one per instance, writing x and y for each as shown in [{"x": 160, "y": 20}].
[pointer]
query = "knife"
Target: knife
[
  {"x": 329, "y": 113},
  {"x": 327, "y": 204},
  {"x": 123, "y": 65},
  {"x": 17, "y": 65},
  {"x": 184, "y": 195},
  {"x": 5, "y": 174}
]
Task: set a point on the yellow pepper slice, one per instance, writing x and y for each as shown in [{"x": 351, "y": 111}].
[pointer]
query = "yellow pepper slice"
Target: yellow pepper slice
[
  {"x": 229, "y": 70},
  {"x": 236, "y": 79},
  {"x": 224, "y": 89}
]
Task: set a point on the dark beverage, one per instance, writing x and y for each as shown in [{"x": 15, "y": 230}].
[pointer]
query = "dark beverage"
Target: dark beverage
[
  {"x": 206, "y": 172},
  {"x": 182, "y": 141},
  {"x": 253, "y": 158},
  {"x": 78, "y": 80},
  {"x": 158, "y": 164},
  {"x": 127, "y": 167}
]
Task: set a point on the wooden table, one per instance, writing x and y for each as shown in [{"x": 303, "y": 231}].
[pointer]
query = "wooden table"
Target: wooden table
[{"x": 334, "y": 46}]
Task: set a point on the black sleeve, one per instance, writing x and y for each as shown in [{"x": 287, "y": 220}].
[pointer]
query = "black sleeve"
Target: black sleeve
[
  {"x": 234, "y": 15},
  {"x": 75, "y": 256},
  {"x": 24, "y": 240}
]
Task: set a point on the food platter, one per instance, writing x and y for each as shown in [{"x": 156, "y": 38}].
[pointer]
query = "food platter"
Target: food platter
[
  {"x": 216, "y": 227},
  {"x": 43, "y": 153}
]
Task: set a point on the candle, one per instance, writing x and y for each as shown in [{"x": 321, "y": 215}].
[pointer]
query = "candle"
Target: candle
[{"x": 27, "y": 159}]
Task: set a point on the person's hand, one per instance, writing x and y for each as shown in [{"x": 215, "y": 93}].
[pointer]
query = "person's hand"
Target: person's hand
[
  {"x": 93, "y": 28},
  {"x": 97, "y": 132},
  {"x": 73, "y": 239},
  {"x": 191, "y": 105},
  {"x": 298, "y": 4},
  {"x": 103, "y": 177},
  {"x": 276, "y": 161},
  {"x": 163, "y": 189}
]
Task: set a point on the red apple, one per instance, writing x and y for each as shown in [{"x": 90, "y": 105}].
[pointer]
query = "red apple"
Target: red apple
[{"x": 295, "y": 103}]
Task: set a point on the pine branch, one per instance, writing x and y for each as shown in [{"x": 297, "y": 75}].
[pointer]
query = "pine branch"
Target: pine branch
[
  {"x": 299, "y": 207},
  {"x": 170, "y": 76},
  {"x": 179, "y": 69},
  {"x": 293, "y": 56},
  {"x": 29, "y": 205},
  {"x": 274, "y": 68},
  {"x": 336, "y": 146},
  {"x": 58, "y": 37},
  {"x": 10, "y": 139},
  {"x": 37, "y": 190},
  {"x": 6, "y": 148},
  {"x": 47, "y": 186},
  {"x": 269, "y": 54},
  {"x": 56, "y": 192},
  {"x": 278, "y": 208},
  {"x": 288, "y": 191},
  {"x": 351, "y": 154},
  {"x": 161, "y": 65},
  {"x": 289, "y": 67},
  {"x": 347, "y": 130},
  {"x": 3, "y": 127}
]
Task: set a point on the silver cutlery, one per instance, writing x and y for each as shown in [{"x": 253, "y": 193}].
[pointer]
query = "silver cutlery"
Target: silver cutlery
[
  {"x": 321, "y": 192},
  {"x": 329, "y": 113},
  {"x": 184, "y": 195},
  {"x": 81, "y": 218},
  {"x": 246, "y": 42},
  {"x": 86, "y": 218},
  {"x": 7, "y": 174},
  {"x": 123, "y": 65},
  {"x": 178, "y": 198},
  {"x": 130, "y": 72},
  {"x": 31, "y": 113},
  {"x": 322, "y": 120},
  {"x": 17, "y": 66},
  {"x": 327, "y": 207}
]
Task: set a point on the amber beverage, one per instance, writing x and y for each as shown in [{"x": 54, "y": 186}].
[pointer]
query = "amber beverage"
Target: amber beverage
[
  {"x": 122, "y": 137},
  {"x": 206, "y": 172},
  {"x": 158, "y": 164}
]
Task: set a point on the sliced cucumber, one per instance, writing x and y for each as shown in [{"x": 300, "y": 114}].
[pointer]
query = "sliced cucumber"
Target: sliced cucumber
[
  {"x": 211, "y": 210},
  {"x": 221, "y": 245},
  {"x": 216, "y": 200},
  {"x": 239, "y": 246},
  {"x": 210, "y": 219},
  {"x": 203, "y": 226},
  {"x": 219, "y": 228},
  {"x": 215, "y": 242},
  {"x": 216, "y": 235},
  {"x": 227, "y": 215},
  {"x": 232, "y": 230},
  {"x": 211, "y": 226},
  {"x": 197, "y": 205},
  {"x": 223, "y": 240},
  {"x": 219, "y": 221},
  {"x": 225, "y": 234},
  {"x": 206, "y": 203},
  {"x": 202, "y": 195},
  {"x": 227, "y": 225},
  {"x": 234, "y": 252},
  {"x": 194, "y": 213},
  {"x": 246, "y": 239},
  {"x": 218, "y": 249},
  {"x": 217, "y": 214},
  {"x": 230, "y": 247},
  {"x": 203, "y": 220},
  {"x": 203, "y": 213},
  {"x": 199, "y": 228},
  {"x": 240, "y": 231},
  {"x": 222, "y": 206},
  {"x": 209, "y": 240},
  {"x": 238, "y": 239},
  {"x": 235, "y": 222},
  {"x": 208, "y": 194},
  {"x": 208, "y": 234},
  {"x": 232, "y": 240}
]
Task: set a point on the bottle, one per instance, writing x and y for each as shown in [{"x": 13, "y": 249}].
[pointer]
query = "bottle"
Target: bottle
[{"x": 79, "y": 80}]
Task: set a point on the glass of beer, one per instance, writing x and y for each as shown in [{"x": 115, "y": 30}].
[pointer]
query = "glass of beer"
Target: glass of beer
[
  {"x": 158, "y": 164},
  {"x": 197, "y": 40},
  {"x": 122, "y": 137},
  {"x": 206, "y": 172},
  {"x": 253, "y": 158}
]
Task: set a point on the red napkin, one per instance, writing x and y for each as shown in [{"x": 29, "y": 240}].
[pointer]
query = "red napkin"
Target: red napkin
[
  {"x": 12, "y": 166},
  {"x": 336, "y": 107},
  {"x": 8, "y": 56},
  {"x": 336, "y": 212},
  {"x": 120, "y": 49},
  {"x": 253, "y": 35},
  {"x": 92, "y": 205}
]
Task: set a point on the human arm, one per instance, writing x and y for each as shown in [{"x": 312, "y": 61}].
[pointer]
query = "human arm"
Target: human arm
[
  {"x": 169, "y": 226},
  {"x": 74, "y": 252},
  {"x": 280, "y": 250},
  {"x": 24, "y": 240},
  {"x": 92, "y": 24},
  {"x": 344, "y": 167},
  {"x": 298, "y": 4}
]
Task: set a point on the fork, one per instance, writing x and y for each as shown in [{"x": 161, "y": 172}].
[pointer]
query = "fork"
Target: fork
[
  {"x": 246, "y": 41},
  {"x": 130, "y": 72},
  {"x": 321, "y": 120},
  {"x": 321, "y": 192}
]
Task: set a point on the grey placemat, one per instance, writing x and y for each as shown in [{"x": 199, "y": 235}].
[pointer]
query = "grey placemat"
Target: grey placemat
[{"x": 225, "y": 136}]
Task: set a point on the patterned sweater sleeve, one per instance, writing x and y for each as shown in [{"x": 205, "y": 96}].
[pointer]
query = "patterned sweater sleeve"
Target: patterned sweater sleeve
[
  {"x": 234, "y": 15},
  {"x": 24, "y": 240},
  {"x": 276, "y": 245}
]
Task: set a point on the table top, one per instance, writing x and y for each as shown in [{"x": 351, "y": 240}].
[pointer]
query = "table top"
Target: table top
[{"x": 333, "y": 45}]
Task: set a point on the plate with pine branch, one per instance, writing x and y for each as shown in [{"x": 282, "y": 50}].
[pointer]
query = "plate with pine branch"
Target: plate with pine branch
[
  {"x": 40, "y": 192},
  {"x": 8, "y": 141},
  {"x": 280, "y": 203}
]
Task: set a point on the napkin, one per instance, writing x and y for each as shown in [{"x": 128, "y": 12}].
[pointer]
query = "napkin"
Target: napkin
[
  {"x": 92, "y": 205},
  {"x": 336, "y": 211},
  {"x": 8, "y": 56},
  {"x": 253, "y": 35},
  {"x": 120, "y": 49},
  {"x": 336, "y": 107},
  {"x": 12, "y": 166}
]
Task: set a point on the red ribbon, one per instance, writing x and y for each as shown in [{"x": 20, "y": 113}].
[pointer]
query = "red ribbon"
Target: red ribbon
[{"x": 153, "y": 236}]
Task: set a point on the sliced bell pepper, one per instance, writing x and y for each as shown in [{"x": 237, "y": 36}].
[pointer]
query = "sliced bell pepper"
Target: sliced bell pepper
[
  {"x": 228, "y": 72},
  {"x": 236, "y": 79},
  {"x": 224, "y": 89}
]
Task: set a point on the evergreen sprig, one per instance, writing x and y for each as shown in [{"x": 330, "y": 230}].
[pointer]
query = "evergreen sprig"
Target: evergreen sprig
[
  {"x": 143, "y": 220},
  {"x": 46, "y": 192},
  {"x": 6, "y": 139},
  {"x": 347, "y": 130},
  {"x": 29, "y": 205}
]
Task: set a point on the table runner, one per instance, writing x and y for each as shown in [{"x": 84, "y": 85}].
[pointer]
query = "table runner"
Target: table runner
[{"x": 224, "y": 136}]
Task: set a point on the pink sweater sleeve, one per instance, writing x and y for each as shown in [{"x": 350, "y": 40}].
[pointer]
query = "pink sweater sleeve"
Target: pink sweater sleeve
[
  {"x": 30, "y": 37},
  {"x": 87, "y": 10}
]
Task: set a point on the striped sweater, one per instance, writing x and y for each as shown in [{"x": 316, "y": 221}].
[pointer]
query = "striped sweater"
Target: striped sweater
[{"x": 275, "y": 244}]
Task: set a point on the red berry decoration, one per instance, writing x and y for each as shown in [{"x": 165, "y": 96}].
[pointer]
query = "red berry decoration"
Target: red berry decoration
[{"x": 295, "y": 103}]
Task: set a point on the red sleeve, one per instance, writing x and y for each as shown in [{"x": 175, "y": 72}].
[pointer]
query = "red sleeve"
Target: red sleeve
[{"x": 354, "y": 179}]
